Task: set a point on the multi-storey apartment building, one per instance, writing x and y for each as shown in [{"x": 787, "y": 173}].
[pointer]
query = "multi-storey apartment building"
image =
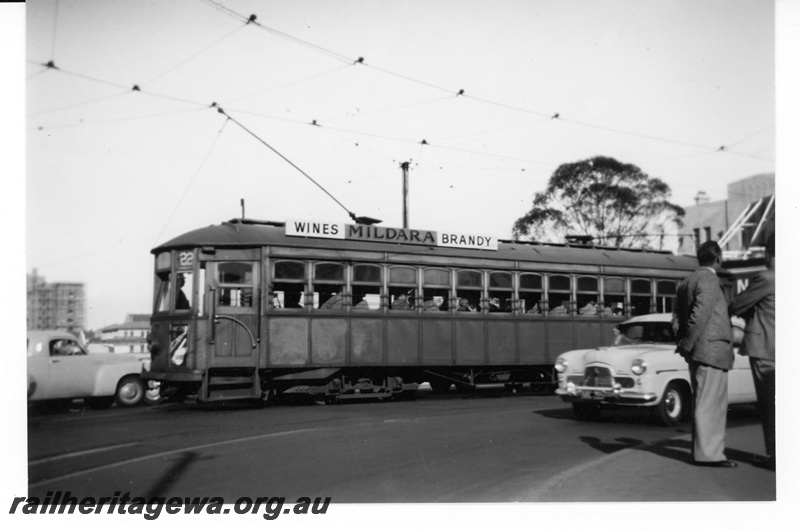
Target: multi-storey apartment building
[{"x": 58, "y": 305}]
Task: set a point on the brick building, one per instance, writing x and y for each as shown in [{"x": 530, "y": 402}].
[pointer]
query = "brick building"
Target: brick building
[{"x": 59, "y": 305}]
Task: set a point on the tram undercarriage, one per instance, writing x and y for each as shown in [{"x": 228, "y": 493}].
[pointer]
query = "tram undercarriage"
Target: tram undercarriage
[{"x": 332, "y": 385}]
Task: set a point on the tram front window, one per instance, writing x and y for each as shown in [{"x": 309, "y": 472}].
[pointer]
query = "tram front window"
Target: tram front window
[
  {"x": 183, "y": 292},
  {"x": 163, "y": 289}
]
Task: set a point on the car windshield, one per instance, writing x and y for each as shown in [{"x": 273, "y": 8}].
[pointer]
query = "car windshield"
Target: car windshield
[{"x": 636, "y": 332}]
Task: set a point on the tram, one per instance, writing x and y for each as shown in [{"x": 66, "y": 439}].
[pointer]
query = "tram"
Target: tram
[{"x": 250, "y": 309}]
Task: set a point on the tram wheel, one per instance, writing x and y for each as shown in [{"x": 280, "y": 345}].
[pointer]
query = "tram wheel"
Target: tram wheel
[{"x": 440, "y": 386}]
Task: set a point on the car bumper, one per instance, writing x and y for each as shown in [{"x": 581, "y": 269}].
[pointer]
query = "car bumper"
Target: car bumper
[
  {"x": 178, "y": 377},
  {"x": 606, "y": 395}
]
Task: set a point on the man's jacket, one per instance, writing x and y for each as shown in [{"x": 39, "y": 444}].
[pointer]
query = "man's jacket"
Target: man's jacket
[
  {"x": 756, "y": 305},
  {"x": 704, "y": 326}
]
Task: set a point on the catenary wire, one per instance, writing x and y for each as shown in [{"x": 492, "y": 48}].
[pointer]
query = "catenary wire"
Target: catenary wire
[
  {"x": 191, "y": 182},
  {"x": 195, "y": 55},
  {"x": 254, "y": 135}
]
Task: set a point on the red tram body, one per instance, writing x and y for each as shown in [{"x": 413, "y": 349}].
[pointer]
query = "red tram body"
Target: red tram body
[{"x": 247, "y": 309}]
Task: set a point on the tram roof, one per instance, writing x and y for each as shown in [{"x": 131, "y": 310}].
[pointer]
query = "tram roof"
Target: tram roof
[{"x": 245, "y": 233}]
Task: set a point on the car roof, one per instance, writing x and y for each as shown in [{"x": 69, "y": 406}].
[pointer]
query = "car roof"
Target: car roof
[
  {"x": 656, "y": 317},
  {"x": 39, "y": 335}
]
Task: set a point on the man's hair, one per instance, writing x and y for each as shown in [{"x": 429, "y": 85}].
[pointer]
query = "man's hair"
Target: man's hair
[{"x": 708, "y": 253}]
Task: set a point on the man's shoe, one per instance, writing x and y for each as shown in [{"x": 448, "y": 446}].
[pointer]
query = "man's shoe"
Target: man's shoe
[{"x": 716, "y": 463}]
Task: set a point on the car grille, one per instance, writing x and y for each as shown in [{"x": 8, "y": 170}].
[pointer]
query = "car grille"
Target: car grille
[
  {"x": 580, "y": 380},
  {"x": 598, "y": 376}
]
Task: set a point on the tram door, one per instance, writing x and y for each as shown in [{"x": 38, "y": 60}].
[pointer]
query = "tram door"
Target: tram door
[{"x": 233, "y": 287}]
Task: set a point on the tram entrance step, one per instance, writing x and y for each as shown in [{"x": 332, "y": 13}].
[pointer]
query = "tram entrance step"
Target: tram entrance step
[{"x": 228, "y": 386}]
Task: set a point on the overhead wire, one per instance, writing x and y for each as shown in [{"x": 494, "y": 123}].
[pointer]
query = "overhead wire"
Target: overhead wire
[
  {"x": 191, "y": 182},
  {"x": 556, "y": 115},
  {"x": 252, "y": 20},
  {"x": 121, "y": 119},
  {"x": 309, "y": 177},
  {"x": 199, "y": 105},
  {"x": 387, "y": 109},
  {"x": 28, "y": 78},
  {"x": 172, "y": 69},
  {"x": 81, "y": 103},
  {"x": 297, "y": 81}
]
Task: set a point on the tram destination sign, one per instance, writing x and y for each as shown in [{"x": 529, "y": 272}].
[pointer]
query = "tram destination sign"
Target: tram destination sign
[{"x": 382, "y": 234}]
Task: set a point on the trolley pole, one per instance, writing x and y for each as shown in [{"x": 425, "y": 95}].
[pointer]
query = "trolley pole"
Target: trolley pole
[{"x": 404, "y": 166}]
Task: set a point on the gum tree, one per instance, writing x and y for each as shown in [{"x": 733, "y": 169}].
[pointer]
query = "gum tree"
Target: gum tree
[{"x": 615, "y": 203}]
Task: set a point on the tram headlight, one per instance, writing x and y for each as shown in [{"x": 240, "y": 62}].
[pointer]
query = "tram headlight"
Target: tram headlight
[
  {"x": 561, "y": 365},
  {"x": 639, "y": 366}
]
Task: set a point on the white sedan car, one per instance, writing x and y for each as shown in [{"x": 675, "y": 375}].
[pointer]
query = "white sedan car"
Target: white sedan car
[
  {"x": 640, "y": 369},
  {"x": 60, "y": 370}
]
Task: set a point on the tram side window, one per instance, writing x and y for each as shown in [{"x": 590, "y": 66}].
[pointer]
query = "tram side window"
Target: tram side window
[
  {"x": 665, "y": 296},
  {"x": 641, "y": 297},
  {"x": 367, "y": 282},
  {"x": 469, "y": 288},
  {"x": 530, "y": 293},
  {"x": 402, "y": 288},
  {"x": 559, "y": 295},
  {"x": 435, "y": 290},
  {"x": 329, "y": 286},
  {"x": 614, "y": 296},
  {"x": 288, "y": 285},
  {"x": 588, "y": 297},
  {"x": 235, "y": 280},
  {"x": 501, "y": 293}
]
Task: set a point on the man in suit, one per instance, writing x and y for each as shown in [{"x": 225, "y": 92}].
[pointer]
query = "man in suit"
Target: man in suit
[
  {"x": 756, "y": 305},
  {"x": 704, "y": 340}
]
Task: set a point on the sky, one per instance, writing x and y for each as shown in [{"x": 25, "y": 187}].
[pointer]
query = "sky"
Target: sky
[{"x": 346, "y": 91}]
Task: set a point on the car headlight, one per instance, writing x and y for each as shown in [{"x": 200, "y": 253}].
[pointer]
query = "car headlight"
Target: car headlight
[
  {"x": 561, "y": 365},
  {"x": 638, "y": 367}
]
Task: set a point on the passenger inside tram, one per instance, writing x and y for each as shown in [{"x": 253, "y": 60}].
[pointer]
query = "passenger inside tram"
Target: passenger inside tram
[
  {"x": 401, "y": 302},
  {"x": 181, "y": 301},
  {"x": 562, "y": 309},
  {"x": 333, "y": 301},
  {"x": 463, "y": 305}
]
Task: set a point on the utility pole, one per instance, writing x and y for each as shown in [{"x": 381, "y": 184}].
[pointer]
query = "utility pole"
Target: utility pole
[{"x": 404, "y": 167}]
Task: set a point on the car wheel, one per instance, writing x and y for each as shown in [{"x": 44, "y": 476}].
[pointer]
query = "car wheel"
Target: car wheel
[
  {"x": 674, "y": 404},
  {"x": 99, "y": 403},
  {"x": 586, "y": 411},
  {"x": 130, "y": 391}
]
